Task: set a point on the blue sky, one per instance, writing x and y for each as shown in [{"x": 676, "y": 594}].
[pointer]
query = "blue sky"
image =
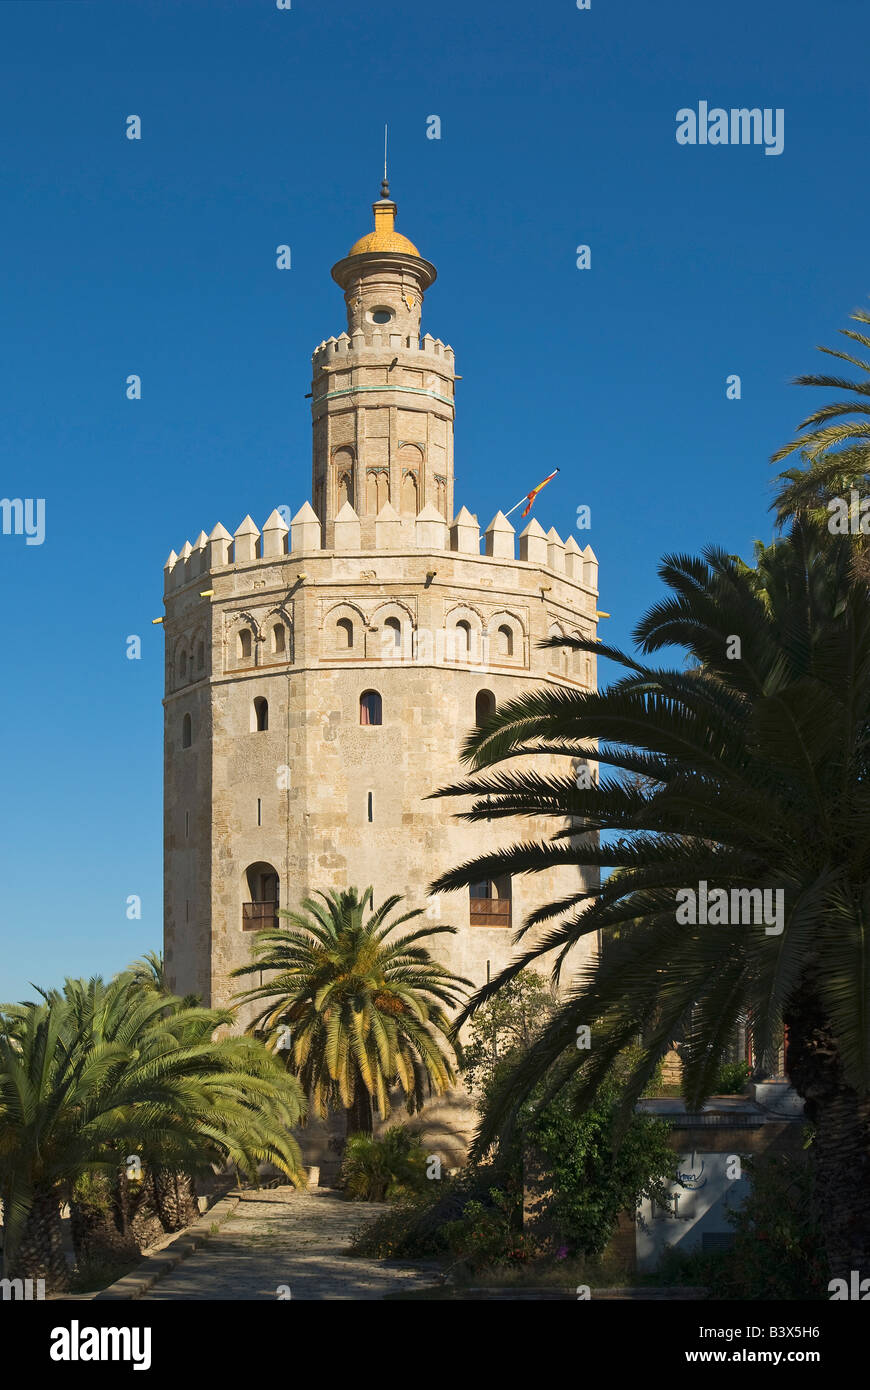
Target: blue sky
[{"x": 261, "y": 127}]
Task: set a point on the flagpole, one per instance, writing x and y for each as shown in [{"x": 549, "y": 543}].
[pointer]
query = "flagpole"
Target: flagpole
[{"x": 524, "y": 498}]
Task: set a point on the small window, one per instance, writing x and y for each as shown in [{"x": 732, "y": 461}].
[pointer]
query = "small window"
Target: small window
[
  {"x": 371, "y": 807},
  {"x": 484, "y": 706},
  {"x": 245, "y": 644},
  {"x": 381, "y": 316},
  {"x": 264, "y": 897},
  {"x": 463, "y": 640},
  {"x": 279, "y": 639},
  {"x": 490, "y": 902},
  {"x": 504, "y": 641},
  {"x": 344, "y": 634},
  {"x": 186, "y": 731},
  {"x": 260, "y": 716},
  {"x": 370, "y": 708},
  {"x": 393, "y": 625}
]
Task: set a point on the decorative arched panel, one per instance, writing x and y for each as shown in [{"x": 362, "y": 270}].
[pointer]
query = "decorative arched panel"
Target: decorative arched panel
[
  {"x": 278, "y": 633},
  {"x": 181, "y": 663},
  {"x": 342, "y": 466},
  {"x": 507, "y": 639},
  {"x": 464, "y": 640},
  {"x": 377, "y": 489},
  {"x": 242, "y": 643},
  {"x": 558, "y": 656},
  {"x": 343, "y": 631}
]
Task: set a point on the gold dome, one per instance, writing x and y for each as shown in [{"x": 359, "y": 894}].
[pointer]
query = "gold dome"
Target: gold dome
[{"x": 384, "y": 237}]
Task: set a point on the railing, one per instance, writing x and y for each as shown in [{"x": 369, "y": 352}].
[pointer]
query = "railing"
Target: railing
[
  {"x": 490, "y": 912},
  {"x": 258, "y": 916},
  {"x": 706, "y": 1119}
]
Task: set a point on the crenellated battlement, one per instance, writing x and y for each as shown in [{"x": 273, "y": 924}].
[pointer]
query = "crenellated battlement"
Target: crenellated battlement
[
  {"x": 428, "y": 532},
  {"x": 345, "y": 346}
]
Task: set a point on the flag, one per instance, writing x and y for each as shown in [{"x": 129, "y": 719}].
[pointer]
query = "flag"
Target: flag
[{"x": 535, "y": 490}]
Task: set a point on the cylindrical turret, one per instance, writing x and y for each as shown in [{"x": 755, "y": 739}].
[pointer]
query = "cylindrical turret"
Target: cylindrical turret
[{"x": 382, "y": 404}]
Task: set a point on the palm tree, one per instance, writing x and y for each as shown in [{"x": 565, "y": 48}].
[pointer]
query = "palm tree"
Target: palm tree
[
  {"x": 101, "y": 1071},
  {"x": 835, "y": 448},
  {"x": 149, "y": 971},
  {"x": 746, "y": 772},
  {"x": 166, "y": 1200},
  {"x": 363, "y": 1014}
]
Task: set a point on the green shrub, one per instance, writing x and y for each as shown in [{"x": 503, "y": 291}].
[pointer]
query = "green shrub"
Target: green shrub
[
  {"x": 731, "y": 1079},
  {"x": 422, "y": 1225},
  {"x": 596, "y": 1169},
  {"x": 596, "y": 1172},
  {"x": 395, "y": 1234},
  {"x": 375, "y": 1170},
  {"x": 487, "y": 1233}
]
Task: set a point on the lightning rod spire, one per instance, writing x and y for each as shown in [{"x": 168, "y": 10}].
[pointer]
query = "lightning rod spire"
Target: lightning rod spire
[{"x": 385, "y": 187}]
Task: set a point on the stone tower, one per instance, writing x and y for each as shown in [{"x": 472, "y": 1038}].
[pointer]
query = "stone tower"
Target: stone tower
[
  {"x": 383, "y": 401},
  {"x": 321, "y": 676}
]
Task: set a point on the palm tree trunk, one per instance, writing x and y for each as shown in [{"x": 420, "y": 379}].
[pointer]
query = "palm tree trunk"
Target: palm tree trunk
[
  {"x": 176, "y": 1199},
  {"x": 40, "y": 1253},
  {"x": 144, "y": 1211},
  {"x": 842, "y": 1139},
  {"x": 359, "y": 1115},
  {"x": 97, "y": 1223}
]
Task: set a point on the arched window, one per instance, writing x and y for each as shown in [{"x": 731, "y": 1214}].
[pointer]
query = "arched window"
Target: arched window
[
  {"x": 393, "y": 625},
  {"x": 370, "y": 708},
  {"x": 484, "y": 706},
  {"x": 279, "y": 639},
  {"x": 344, "y": 634},
  {"x": 504, "y": 639},
  {"x": 490, "y": 902},
  {"x": 245, "y": 644},
  {"x": 463, "y": 639},
  {"x": 182, "y": 666},
  {"x": 186, "y": 731},
  {"x": 264, "y": 898},
  {"x": 200, "y": 655},
  {"x": 260, "y": 715}
]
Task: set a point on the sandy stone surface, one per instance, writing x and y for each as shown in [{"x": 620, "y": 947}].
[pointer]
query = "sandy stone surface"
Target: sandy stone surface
[{"x": 298, "y": 1239}]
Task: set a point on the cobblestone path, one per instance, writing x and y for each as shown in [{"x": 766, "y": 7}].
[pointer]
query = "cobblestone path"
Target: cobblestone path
[{"x": 298, "y": 1239}]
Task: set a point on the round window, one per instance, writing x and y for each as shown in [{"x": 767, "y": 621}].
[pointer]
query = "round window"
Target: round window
[{"x": 381, "y": 315}]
